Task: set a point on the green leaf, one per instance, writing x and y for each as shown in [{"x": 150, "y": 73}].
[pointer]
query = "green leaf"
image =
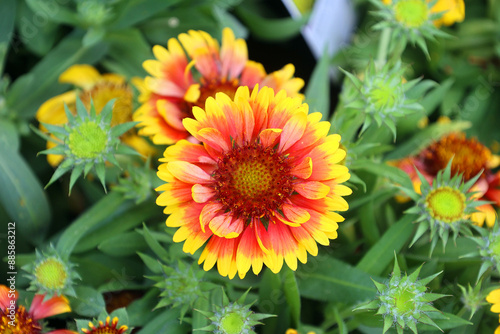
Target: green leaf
[
  {"x": 123, "y": 244},
  {"x": 119, "y": 224},
  {"x": 200, "y": 320},
  {"x": 9, "y": 136},
  {"x": 325, "y": 278},
  {"x": 432, "y": 100},
  {"x": 135, "y": 11},
  {"x": 394, "y": 174},
  {"x": 318, "y": 90},
  {"x": 103, "y": 211},
  {"x": 445, "y": 321},
  {"x": 93, "y": 36},
  {"x": 41, "y": 83},
  {"x": 155, "y": 245},
  {"x": 164, "y": 322},
  {"x": 292, "y": 295},
  {"x": 271, "y": 29},
  {"x": 7, "y": 17},
  {"x": 382, "y": 253},
  {"x": 89, "y": 302},
  {"x": 140, "y": 310},
  {"x": 22, "y": 195}
]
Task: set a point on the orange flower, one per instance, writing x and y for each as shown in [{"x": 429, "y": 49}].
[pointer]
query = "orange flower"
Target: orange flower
[
  {"x": 101, "y": 88},
  {"x": 15, "y": 319},
  {"x": 261, "y": 186},
  {"x": 106, "y": 328},
  {"x": 169, "y": 95},
  {"x": 469, "y": 158}
]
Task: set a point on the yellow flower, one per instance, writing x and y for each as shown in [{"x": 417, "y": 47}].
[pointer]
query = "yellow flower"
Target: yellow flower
[
  {"x": 453, "y": 11},
  {"x": 100, "y": 88},
  {"x": 494, "y": 298}
]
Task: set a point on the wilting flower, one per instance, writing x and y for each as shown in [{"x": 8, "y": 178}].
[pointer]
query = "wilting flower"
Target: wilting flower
[
  {"x": 470, "y": 157},
  {"x": 178, "y": 83},
  {"x": 261, "y": 186},
  {"x": 403, "y": 301},
  {"x": 100, "y": 88},
  {"x": 233, "y": 318},
  {"x": 15, "y": 319},
  {"x": 452, "y": 11},
  {"x": 51, "y": 275}
]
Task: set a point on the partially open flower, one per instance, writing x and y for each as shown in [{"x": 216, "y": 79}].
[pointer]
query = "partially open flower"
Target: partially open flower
[
  {"x": 100, "y": 89},
  {"x": 403, "y": 301},
  {"x": 452, "y": 11},
  {"x": 233, "y": 318},
  {"x": 51, "y": 275},
  {"x": 114, "y": 323}
]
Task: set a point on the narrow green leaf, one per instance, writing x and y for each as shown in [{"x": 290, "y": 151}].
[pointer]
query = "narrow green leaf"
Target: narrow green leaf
[
  {"x": 88, "y": 303},
  {"x": 200, "y": 320},
  {"x": 133, "y": 12},
  {"x": 381, "y": 169},
  {"x": 7, "y": 18},
  {"x": 155, "y": 245},
  {"x": 123, "y": 244},
  {"x": 382, "y": 253},
  {"x": 9, "y": 137},
  {"x": 292, "y": 295},
  {"x": 432, "y": 100},
  {"x": 22, "y": 195},
  {"x": 325, "y": 278},
  {"x": 318, "y": 90},
  {"x": 164, "y": 322}
]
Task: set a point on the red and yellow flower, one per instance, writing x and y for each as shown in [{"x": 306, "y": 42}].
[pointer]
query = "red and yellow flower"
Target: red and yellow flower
[
  {"x": 260, "y": 188},
  {"x": 178, "y": 82},
  {"x": 108, "y": 327},
  {"x": 100, "y": 88},
  {"x": 470, "y": 157},
  {"x": 16, "y": 320}
]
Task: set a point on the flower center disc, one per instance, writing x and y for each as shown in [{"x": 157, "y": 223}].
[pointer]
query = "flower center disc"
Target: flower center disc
[
  {"x": 469, "y": 156},
  {"x": 405, "y": 301},
  {"x": 51, "y": 274},
  {"x": 383, "y": 96},
  {"x": 252, "y": 181},
  {"x": 24, "y": 324},
  {"x": 411, "y": 13},
  {"x": 446, "y": 204},
  {"x": 232, "y": 323},
  {"x": 211, "y": 88}
]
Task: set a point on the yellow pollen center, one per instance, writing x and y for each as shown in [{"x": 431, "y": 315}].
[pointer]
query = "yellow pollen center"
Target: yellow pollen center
[
  {"x": 23, "y": 322},
  {"x": 446, "y": 204},
  {"x": 51, "y": 274},
  {"x": 411, "y": 13},
  {"x": 469, "y": 156},
  {"x": 252, "y": 181}
]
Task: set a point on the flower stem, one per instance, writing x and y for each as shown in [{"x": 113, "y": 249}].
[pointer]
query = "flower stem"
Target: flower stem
[{"x": 383, "y": 47}]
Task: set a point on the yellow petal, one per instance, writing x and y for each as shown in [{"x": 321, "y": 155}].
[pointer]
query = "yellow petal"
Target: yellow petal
[{"x": 83, "y": 76}]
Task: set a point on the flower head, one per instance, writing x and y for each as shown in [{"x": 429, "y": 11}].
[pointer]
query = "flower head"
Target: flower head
[
  {"x": 106, "y": 324},
  {"x": 472, "y": 298},
  {"x": 87, "y": 142},
  {"x": 381, "y": 95},
  {"x": 51, "y": 275},
  {"x": 410, "y": 20},
  {"x": 470, "y": 157},
  {"x": 100, "y": 89},
  {"x": 489, "y": 249},
  {"x": 451, "y": 11},
  {"x": 180, "y": 82},
  {"x": 443, "y": 206},
  {"x": 15, "y": 319},
  {"x": 233, "y": 318},
  {"x": 403, "y": 302},
  {"x": 261, "y": 186}
]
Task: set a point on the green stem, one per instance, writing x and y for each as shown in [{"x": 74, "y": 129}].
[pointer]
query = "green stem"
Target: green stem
[
  {"x": 102, "y": 210},
  {"x": 383, "y": 47}
]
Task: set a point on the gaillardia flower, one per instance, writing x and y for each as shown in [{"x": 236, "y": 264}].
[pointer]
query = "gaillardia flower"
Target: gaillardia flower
[
  {"x": 470, "y": 157},
  {"x": 179, "y": 82},
  {"x": 114, "y": 323},
  {"x": 261, "y": 186},
  {"x": 15, "y": 319},
  {"x": 100, "y": 88}
]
